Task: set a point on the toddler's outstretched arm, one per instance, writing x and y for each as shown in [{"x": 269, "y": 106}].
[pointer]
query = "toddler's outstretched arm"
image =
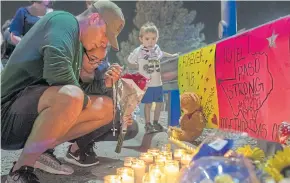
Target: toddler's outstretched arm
[{"x": 165, "y": 54}]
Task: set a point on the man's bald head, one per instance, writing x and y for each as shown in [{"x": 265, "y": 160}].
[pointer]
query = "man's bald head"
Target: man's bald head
[{"x": 108, "y": 12}]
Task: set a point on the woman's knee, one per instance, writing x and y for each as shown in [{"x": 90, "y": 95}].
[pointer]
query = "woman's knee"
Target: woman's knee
[{"x": 109, "y": 109}]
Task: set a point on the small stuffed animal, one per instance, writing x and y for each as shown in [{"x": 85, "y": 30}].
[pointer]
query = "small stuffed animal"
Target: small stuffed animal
[{"x": 192, "y": 122}]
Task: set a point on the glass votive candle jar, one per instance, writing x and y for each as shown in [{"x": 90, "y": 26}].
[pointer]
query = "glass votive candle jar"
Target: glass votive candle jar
[
  {"x": 156, "y": 166},
  {"x": 160, "y": 159},
  {"x": 171, "y": 171},
  {"x": 139, "y": 168},
  {"x": 157, "y": 172},
  {"x": 167, "y": 154},
  {"x": 128, "y": 161},
  {"x": 147, "y": 158},
  {"x": 186, "y": 159},
  {"x": 126, "y": 174},
  {"x": 166, "y": 148},
  {"x": 112, "y": 179},
  {"x": 147, "y": 178},
  {"x": 153, "y": 151},
  {"x": 178, "y": 154}
]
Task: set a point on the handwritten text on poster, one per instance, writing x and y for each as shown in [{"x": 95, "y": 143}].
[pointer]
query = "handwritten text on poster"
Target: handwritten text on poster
[
  {"x": 196, "y": 73},
  {"x": 251, "y": 78}
]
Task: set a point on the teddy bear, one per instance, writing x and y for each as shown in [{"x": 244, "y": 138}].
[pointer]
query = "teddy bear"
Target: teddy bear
[{"x": 192, "y": 122}]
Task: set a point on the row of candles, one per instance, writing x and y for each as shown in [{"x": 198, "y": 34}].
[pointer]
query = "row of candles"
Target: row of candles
[{"x": 154, "y": 166}]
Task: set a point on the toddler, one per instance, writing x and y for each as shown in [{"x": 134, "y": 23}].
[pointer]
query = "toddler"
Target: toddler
[{"x": 148, "y": 56}]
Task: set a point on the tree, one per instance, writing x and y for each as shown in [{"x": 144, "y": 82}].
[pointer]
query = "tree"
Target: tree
[{"x": 177, "y": 33}]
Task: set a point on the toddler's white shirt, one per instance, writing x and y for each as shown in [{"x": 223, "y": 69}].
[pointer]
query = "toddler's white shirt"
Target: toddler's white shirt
[{"x": 148, "y": 61}]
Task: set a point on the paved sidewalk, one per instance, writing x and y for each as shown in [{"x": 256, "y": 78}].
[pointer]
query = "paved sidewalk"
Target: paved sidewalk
[{"x": 109, "y": 160}]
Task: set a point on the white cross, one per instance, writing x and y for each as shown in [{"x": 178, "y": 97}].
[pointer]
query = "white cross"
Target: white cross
[
  {"x": 272, "y": 40},
  {"x": 114, "y": 131}
]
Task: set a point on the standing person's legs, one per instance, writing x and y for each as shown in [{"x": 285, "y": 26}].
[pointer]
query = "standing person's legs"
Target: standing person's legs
[
  {"x": 158, "y": 98},
  {"x": 147, "y": 111},
  {"x": 148, "y": 100},
  {"x": 60, "y": 119}
]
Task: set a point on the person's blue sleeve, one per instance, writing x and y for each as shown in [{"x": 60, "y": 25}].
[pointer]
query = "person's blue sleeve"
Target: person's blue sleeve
[
  {"x": 97, "y": 87},
  {"x": 17, "y": 24}
]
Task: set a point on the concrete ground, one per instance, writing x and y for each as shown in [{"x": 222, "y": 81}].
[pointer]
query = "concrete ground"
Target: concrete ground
[{"x": 109, "y": 160}]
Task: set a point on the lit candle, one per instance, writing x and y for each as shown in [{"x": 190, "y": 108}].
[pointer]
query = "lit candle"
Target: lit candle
[
  {"x": 186, "y": 159},
  {"x": 146, "y": 157},
  {"x": 167, "y": 154},
  {"x": 139, "y": 168},
  {"x": 156, "y": 166},
  {"x": 112, "y": 179},
  {"x": 151, "y": 179},
  {"x": 160, "y": 159},
  {"x": 178, "y": 153},
  {"x": 128, "y": 161},
  {"x": 126, "y": 174},
  {"x": 166, "y": 148},
  {"x": 154, "y": 152},
  {"x": 171, "y": 171},
  {"x": 156, "y": 171}
]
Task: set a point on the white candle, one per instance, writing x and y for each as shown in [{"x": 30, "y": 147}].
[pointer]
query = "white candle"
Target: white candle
[
  {"x": 171, "y": 171},
  {"x": 153, "y": 151},
  {"x": 112, "y": 179},
  {"x": 127, "y": 179},
  {"x": 178, "y": 153},
  {"x": 139, "y": 168},
  {"x": 128, "y": 161},
  {"x": 167, "y": 154},
  {"x": 151, "y": 179},
  {"x": 126, "y": 174},
  {"x": 156, "y": 172},
  {"x": 160, "y": 159},
  {"x": 186, "y": 159},
  {"x": 146, "y": 157},
  {"x": 166, "y": 148}
]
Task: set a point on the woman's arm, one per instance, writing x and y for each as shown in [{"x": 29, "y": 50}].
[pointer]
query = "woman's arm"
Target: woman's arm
[{"x": 16, "y": 26}]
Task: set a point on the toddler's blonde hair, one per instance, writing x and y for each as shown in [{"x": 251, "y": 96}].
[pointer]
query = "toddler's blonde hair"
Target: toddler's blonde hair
[{"x": 148, "y": 27}]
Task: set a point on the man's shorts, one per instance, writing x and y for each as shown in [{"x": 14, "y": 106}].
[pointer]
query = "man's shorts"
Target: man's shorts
[
  {"x": 18, "y": 116},
  {"x": 153, "y": 94}
]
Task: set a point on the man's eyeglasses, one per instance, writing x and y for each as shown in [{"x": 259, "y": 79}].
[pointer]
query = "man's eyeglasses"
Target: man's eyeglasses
[{"x": 93, "y": 59}]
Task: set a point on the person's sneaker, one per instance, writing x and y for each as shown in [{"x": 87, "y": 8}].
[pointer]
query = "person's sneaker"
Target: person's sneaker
[
  {"x": 158, "y": 127},
  {"x": 82, "y": 157},
  {"x": 149, "y": 128},
  {"x": 49, "y": 163},
  {"x": 23, "y": 175}
]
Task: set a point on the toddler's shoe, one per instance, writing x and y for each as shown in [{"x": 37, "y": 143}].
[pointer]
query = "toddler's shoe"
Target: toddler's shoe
[{"x": 149, "y": 128}]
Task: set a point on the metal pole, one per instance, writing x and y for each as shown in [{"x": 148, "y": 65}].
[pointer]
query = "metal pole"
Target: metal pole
[{"x": 228, "y": 23}]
